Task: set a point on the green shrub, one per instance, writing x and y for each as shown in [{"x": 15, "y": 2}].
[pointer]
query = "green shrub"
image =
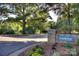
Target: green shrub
[
  {"x": 39, "y": 50},
  {"x": 9, "y": 32},
  {"x": 36, "y": 51},
  {"x": 29, "y": 53},
  {"x": 36, "y": 54},
  {"x": 6, "y": 31},
  {"x": 77, "y": 41},
  {"x": 10, "y": 28},
  {"x": 67, "y": 45}
]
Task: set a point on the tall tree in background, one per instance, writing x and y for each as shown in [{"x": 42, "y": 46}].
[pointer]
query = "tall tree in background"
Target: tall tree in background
[
  {"x": 23, "y": 11},
  {"x": 35, "y": 11},
  {"x": 68, "y": 17}
]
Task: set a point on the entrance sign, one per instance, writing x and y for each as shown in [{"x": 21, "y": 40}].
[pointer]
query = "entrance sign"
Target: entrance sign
[{"x": 65, "y": 37}]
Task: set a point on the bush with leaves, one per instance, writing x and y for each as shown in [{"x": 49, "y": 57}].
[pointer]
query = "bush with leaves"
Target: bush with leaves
[
  {"x": 78, "y": 42},
  {"x": 67, "y": 45},
  {"x": 36, "y": 51},
  {"x": 10, "y": 28}
]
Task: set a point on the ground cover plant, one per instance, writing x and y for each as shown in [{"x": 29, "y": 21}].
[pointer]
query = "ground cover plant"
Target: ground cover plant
[{"x": 36, "y": 51}]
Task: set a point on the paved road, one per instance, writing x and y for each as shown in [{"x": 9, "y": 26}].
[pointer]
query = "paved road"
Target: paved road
[
  {"x": 37, "y": 38},
  {"x": 10, "y": 44},
  {"x": 7, "y": 48}
]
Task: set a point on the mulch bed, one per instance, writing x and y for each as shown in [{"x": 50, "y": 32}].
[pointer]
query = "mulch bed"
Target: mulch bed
[{"x": 50, "y": 49}]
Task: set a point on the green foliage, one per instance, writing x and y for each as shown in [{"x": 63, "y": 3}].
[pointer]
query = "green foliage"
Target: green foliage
[
  {"x": 36, "y": 54},
  {"x": 10, "y": 28},
  {"x": 73, "y": 52},
  {"x": 67, "y": 45},
  {"x": 36, "y": 51},
  {"x": 37, "y": 26},
  {"x": 6, "y": 31},
  {"x": 69, "y": 18},
  {"x": 77, "y": 41}
]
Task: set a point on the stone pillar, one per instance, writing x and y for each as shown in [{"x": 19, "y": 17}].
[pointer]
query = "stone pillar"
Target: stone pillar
[{"x": 51, "y": 36}]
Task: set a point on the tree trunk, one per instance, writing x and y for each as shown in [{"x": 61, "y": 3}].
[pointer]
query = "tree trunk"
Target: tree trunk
[
  {"x": 23, "y": 27},
  {"x": 69, "y": 22}
]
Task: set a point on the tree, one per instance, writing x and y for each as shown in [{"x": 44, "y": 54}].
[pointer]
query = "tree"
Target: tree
[
  {"x": 23, "y": 11},
  {"x": 68, "y": 17}
]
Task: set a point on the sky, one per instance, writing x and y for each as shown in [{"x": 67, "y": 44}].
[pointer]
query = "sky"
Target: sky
[
  {"x": 11, "y": 15},
  {"x": 53, "y": 15}
]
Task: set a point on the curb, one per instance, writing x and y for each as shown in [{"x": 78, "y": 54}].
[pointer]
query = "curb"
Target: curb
[{"x": 16, "y": 53}]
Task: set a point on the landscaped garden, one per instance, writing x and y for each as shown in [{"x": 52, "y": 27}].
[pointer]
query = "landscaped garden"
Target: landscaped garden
[{"x": 45, "y": 50}]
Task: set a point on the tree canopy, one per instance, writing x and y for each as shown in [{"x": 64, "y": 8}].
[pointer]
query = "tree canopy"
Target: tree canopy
[{"x": 32, "y": 17}]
